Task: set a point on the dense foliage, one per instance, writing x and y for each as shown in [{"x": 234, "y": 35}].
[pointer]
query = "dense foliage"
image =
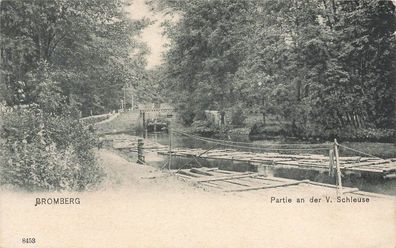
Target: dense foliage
[
  {"x": 89, "y": 44},
  {"x": 47, "y": 152},
  {"x": 44, "y": 144},
  {"x": 61, "y": 58},
  {"x": 320, "y": 66}
]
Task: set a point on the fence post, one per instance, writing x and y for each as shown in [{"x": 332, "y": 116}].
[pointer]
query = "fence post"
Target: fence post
[
  {"x": 170, "y": 145},
  {"x": 143, "y": 118},
  {"x": 339, "y": 181},
  {"x": 331, "y": 163},
  {"x": 140, "y": 149},
  {"x": 262, "y": 170}
]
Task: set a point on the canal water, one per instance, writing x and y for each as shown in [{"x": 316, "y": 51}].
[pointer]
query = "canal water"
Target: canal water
[{"x": 370, "y": 183}]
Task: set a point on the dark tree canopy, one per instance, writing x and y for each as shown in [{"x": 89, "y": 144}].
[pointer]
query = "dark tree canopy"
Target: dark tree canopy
[
  {"x": 89, "y": 46},
  {"x": 318, "y": 64}
]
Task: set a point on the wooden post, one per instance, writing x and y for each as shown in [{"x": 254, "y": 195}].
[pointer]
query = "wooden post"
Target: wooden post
[
  {"x": 339, "y": 181},
  {"x": 262, "y": 170},
  {"x": 124, "y": 100},
  {"x": 222, "y": 118},
  {"x": 331, "y": 163},
  {"x": 170, "y": 145},
  {"x": 144, "y": 124},
  {"x": 144, "y": 119},
  {"x": 140, "y": 149}
]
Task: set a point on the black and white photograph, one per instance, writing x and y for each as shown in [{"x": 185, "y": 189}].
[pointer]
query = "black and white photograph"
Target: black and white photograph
[{"x": 197, "y": 123}]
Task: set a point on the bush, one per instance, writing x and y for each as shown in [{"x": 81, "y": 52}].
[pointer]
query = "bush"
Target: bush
[
  {"x": 365, "y": 134},
  {"x": 317, "y": 132},
  {"x": 187, "y": 116},
  {"x": 350, "y": 134},
  {"x": 204, "y": 128},
  {"x": 43, "y": 144},
  {"x": 44, "y": 151},
  {"x": 271, "y": 129},
  {"x": 238, "y": 117}
]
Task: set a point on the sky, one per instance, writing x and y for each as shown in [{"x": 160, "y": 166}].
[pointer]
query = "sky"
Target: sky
[{"x": 152, "y": 34}]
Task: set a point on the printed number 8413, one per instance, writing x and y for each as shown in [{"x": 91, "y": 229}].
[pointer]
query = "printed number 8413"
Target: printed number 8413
[{"x": 28, "y": 240}]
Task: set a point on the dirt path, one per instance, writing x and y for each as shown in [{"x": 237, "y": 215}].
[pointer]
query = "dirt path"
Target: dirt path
[
  {"x": 125, "y": 175},
  {"x": 143, "y": 207}
]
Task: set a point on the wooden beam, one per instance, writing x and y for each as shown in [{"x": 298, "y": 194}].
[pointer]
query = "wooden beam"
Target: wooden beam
[
  {"x": 197, "y": 171},
  {"x": 269, "y": 186},
  {"x": 212, "y": 185},
  {"x": 352, "y": 190},
  {"x": 226, "y": 178},
  {"x": 390, "y": 176},
  {"x": 210, "y": 169},
  {"x": 186, "y": 173},
  {"x": 384, "y": 162},
  {"x": 237, "y": 183}
]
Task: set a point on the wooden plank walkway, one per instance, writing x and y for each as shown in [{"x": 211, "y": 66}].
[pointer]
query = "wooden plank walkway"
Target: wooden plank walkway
[
  {"x": 348, "y": 164},
  {"x": 245, "y": 182},
  {"x": 275, "y": 160}
]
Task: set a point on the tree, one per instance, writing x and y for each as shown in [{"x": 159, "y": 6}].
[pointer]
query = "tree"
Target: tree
[
  {"x": 309, "y": 62},
  {"x": 88, "y": 44},
  {"x": 320, "y": 65},
  {"x": 206, "y": 49},
  {"x": 57, "y": 56}
]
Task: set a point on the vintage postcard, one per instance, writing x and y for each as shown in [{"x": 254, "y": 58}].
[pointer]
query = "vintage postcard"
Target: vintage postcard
[{"x": 198, "y": 123}]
